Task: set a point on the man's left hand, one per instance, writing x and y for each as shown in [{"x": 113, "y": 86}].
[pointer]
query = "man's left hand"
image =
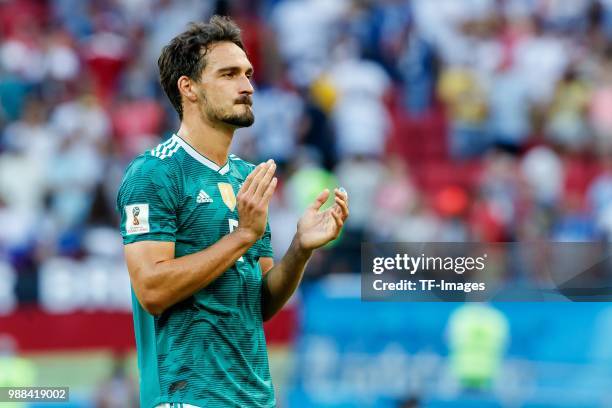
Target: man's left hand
[{"x": 317, "y": 228}]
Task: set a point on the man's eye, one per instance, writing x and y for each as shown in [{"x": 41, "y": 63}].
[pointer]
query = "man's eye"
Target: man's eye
[{"x": 228, "y": 74}]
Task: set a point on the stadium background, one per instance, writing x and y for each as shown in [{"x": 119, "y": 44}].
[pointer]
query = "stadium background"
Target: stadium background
[{"x": 446, "y": 120}]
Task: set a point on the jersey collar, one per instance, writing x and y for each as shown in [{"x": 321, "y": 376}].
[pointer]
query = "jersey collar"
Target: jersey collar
[{"x": 199, "y": 157}]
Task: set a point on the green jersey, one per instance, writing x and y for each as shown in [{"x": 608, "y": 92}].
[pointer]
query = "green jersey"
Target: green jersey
[{"x": 208, "y": 350}]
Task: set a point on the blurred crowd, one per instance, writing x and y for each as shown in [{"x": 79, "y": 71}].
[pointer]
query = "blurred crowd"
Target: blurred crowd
[{"x": 472, "y": 120}]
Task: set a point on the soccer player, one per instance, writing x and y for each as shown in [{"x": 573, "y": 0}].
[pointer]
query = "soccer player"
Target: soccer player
[{"x": 196, "y": 237}]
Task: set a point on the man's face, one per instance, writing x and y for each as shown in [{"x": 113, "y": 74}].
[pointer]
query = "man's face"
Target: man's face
[{"x": 225, "y": 90}]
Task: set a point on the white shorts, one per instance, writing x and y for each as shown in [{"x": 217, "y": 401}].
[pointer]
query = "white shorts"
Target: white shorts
[{"x": 175, "y": 405}]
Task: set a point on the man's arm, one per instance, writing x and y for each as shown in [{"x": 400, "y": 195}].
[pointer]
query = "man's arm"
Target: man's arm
[
  {"x": 314, "y": 230},
  {"x": 159, "y": 280}
]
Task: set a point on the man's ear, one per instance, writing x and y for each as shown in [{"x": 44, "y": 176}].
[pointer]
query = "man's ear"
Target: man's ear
[{"x": 185, "y": 86}]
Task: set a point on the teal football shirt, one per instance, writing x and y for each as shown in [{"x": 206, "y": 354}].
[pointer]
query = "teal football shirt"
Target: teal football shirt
[{"x": 208, "y": 350}]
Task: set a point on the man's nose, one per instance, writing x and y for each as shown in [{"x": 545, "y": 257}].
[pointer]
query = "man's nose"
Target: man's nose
[{"x": 246, "y": 87}]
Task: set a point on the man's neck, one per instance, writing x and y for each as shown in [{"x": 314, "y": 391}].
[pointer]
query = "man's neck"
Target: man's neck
[{"x": 212, "y": 142}]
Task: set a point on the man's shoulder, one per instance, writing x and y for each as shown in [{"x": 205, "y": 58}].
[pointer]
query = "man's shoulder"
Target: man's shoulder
[
  {"x": 153, "y": 169},
  {"x": 165, "y": 151},
  {"x": 148, "y": 175},
  {"x": 160, "y": 160}
]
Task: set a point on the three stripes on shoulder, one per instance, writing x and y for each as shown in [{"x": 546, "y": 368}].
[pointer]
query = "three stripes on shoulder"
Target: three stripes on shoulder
[
  {"x": 170, "y": 146},
  {"x": 166, "y": 149}
]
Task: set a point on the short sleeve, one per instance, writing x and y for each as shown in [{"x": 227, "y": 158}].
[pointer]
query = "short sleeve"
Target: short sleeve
[{"x": 147, "y": 202}]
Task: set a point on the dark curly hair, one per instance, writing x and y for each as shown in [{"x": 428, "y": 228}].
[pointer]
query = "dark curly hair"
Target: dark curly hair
[{"x": 186, "y": 53}]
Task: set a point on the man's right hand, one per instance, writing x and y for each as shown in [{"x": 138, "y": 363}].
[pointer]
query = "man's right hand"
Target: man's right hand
[{"x": 253, "y": 200}]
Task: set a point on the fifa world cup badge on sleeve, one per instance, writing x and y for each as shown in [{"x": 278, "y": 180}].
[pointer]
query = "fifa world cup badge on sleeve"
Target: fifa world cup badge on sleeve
[{"x": 137, "y": 219}]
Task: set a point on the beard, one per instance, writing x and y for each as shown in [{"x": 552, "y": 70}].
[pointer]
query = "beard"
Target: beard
[{"x": 243, "y": 119}]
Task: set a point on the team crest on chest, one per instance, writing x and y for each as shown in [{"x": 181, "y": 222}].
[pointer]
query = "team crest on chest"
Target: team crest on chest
[{"x": 227, "y": 194}]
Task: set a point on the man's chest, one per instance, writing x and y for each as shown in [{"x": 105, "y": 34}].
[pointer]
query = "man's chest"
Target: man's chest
[
  {"x": 208, "y": 206},
  {"x": 208, "y": 212}
]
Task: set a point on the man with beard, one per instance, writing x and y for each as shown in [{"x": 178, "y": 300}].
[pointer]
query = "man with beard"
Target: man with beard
[{"x": 198, "y": 254}]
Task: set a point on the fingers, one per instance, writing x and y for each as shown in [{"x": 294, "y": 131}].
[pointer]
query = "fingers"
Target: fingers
[
  {"x": 266, "y": 179},
  {"x": 269, "y": 191},
  {"x": 341, "y": 208},
  {"x": 341, "y": 200},
  {"x": 257, "y": 174},
  {"x": 249, "y": 180},
  {"x": 339, "y": 222},
  {"x": 320, "y": 200}
]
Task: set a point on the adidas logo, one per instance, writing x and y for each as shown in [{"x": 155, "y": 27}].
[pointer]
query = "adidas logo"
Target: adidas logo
[{"x": 203, "y": 197}]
